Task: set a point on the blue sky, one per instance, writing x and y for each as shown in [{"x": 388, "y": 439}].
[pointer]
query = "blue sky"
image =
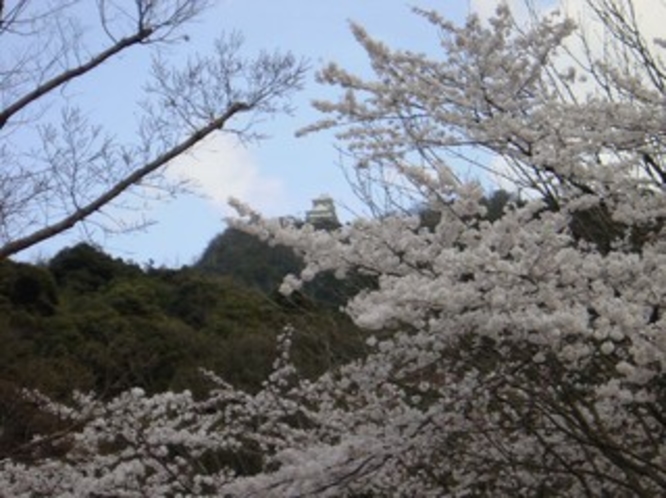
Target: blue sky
[
  {"x": 282, "y": 174},
  {"x": 279, "y": 175}
]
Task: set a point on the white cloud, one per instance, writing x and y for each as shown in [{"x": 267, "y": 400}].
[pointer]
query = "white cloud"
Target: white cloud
[{"x": 221, "y": 167}]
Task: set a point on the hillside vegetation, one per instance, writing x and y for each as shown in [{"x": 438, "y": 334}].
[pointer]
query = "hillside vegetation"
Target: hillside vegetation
[{"x": 89, "y": 322}]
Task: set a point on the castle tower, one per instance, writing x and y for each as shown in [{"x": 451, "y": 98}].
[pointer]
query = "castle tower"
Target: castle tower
[{"x": 322, "y": 212}]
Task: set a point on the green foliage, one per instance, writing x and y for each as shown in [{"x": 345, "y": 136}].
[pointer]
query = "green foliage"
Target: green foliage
[
  {"x": 86, "y": 321},
  {"x": 496, "y": 202},
  {"x": 27, "y": 287},
  {"x": 91, "y": 322},
  {"x": 597, "y": 226},
  {"x": 86, "y": 268},
  {"x": 21, "y": 420},
  {"x": 248, "y": 260}
]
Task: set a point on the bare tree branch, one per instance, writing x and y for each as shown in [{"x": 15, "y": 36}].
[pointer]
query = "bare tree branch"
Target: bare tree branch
[
  {"x": 69, "y": 75},
  {"x": 56, "y": 176},
  {"x": 119, "y": 188}
]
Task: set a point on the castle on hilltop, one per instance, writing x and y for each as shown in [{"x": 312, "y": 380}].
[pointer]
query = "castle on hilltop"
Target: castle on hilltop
[{"x": 322, "y": 213}]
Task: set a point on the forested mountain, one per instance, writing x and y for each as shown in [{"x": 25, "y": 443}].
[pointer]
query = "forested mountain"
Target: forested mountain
[
  {"x": 254, "y": 263},
  {"x": 257, "y": 264},
  {"x": 86, "y": 321},
  {"x": 248, "y": 260}
]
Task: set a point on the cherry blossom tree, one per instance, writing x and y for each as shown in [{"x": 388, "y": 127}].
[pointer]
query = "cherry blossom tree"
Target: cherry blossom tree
[
  {"x": 505, "y": 358},
  {"x": 60, "y": 168}
]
